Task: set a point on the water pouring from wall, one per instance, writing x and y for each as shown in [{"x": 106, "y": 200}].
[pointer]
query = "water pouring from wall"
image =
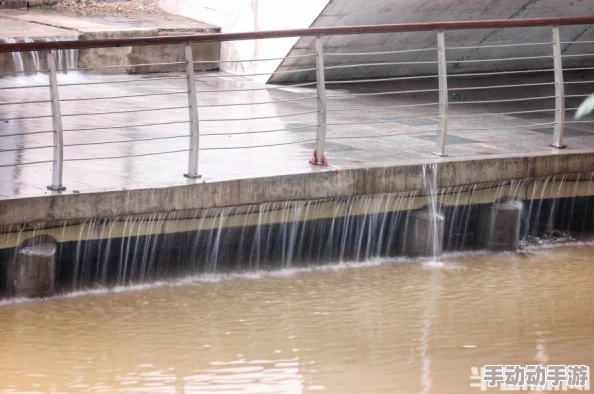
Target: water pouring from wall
[
  {"x": 32, "y": 62},
  {"x": 17, "y": 58},
  {"x": 423, "y": 232},
  {"x": 435, "y": 216},
  {"x": 34, "y": 56},
  {"x": 120, "y": 251}
]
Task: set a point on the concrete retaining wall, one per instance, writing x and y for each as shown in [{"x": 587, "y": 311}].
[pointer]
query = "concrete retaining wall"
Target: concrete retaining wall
[
  {"x": 101, "y": 57},
  {"x": 315, "y": 185}
]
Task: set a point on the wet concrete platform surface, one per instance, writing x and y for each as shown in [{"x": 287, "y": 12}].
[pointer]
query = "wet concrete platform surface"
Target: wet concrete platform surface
[{"x": 363, "y": 130}]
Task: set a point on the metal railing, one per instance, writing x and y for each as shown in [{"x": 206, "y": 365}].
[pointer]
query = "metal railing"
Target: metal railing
[{"x": 325, "y": 107}]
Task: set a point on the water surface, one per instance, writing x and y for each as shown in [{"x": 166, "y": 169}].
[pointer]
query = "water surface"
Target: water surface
[{"x": 394, "y": 327}]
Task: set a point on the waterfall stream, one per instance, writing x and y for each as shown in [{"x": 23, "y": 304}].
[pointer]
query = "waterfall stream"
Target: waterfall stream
[
  {"x": 297, "y": 234},
  {"x": 32, "y": 62}
]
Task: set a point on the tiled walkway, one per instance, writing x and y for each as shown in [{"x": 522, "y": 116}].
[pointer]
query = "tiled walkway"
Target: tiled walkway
[{"x": 359, "y": 134}]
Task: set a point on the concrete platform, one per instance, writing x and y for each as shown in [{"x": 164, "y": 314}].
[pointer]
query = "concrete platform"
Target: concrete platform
[{"x": 361, "y": 136}]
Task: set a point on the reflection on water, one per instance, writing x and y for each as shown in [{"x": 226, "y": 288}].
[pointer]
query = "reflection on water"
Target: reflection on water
[{"x": 395, "y": 327}]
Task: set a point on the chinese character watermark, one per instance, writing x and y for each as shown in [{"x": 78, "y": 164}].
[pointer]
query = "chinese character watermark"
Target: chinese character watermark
[{"x": 531, "y": 377}]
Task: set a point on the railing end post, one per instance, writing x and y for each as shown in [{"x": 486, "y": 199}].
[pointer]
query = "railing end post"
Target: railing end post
[
  {"x": 559, "y": 126},
  {"x": 58, "y": 138},
  {"x": 442, "y": 132},
  {"x": 319, "y": 157},
  {"x": 194, "y": 149}
]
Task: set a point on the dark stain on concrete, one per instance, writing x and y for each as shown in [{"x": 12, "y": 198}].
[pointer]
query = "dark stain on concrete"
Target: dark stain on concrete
[
  {"x": 495, "y": 31},
  {"x": 576, "y": 38}
]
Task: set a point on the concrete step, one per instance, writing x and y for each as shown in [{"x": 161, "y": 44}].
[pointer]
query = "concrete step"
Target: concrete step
[{"x": 39, "y": 26}]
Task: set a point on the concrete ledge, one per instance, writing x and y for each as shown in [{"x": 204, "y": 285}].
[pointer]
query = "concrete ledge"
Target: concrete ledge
[
  {"x": 315, "y": 185},
  {"x": 14, "y": 4},
  {"x": 127, "y": 57},
  {"x": 40, "y": 26}
]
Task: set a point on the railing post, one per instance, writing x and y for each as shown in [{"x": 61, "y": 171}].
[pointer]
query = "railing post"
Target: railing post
[
  {"x": 559, "y": 91},
  {"x": 442, "y": 70},
  {"x": 321, "y": 90},
  {"x": 193, "y": 108},
  {"x": 58, "y": 164}
]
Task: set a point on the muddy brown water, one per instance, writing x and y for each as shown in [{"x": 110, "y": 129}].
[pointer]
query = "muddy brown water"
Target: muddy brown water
[{"x": 375, "y": 327}]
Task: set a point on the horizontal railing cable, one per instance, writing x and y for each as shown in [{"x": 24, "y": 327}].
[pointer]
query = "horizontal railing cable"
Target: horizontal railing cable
[
  {"x": 259, "y": 131},
  {"x": 299, "y": 85},
  {"x": 258, "y": 117},
  {"x": 499, "y": 45},
  {"x": 503, "y": 127},
  {"x": 377, "y": 53},
  {"x": 335, "y": 67},
  {"x": 577, "y": 42},
  {"x": 579, "y": 55},
  {"x": 20, "y": 73},
  {"x": 126, "y": 156},
  {"x": 130, "y": 65},
  {"x": 503, "y": 100},
  {"x": 347, "y": 95},
  {"x": 499, "y": 59},
  {"x": 479, "y": 74},
  {"x": 379, "y": 79},
  {"x": 25, "y": 118},
  {"x": 259, "y": 146},
  {"x": 26, "y": 102},
  {"x": 521, "y": 85},
  {"x": 119, "y": 81},
  {"x": 254, "y": 60},
  {"x": 577, "y": 82},
  {"x": 126, "y": 111},
  {"x": 28, "y": 148},
  {"x": 125, "y": 96},
  {"x": 455, "y": 115},
  {"x": 395, "y": 120},
  {"x": 384, "y": 107},
  {"x": 26, "y": 163},
  {"x": 381, "y": 136},
  {"x": 23, "y": 87},
  {"x": 578, "y": 69},
  {"x": 129, "y": 126},
  {"x": 259, "y": 103},
  {"x": 29, "y": 133},
  {"x": 199, "y": 77},
  {"x": 127, "y": 141}
]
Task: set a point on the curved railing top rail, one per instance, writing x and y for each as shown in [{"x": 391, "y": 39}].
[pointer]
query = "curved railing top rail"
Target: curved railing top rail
[{"x": 315, "y": 31}]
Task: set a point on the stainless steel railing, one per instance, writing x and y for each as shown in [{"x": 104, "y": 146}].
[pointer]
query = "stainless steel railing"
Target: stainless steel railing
[{"x": 316, "y": 119}]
